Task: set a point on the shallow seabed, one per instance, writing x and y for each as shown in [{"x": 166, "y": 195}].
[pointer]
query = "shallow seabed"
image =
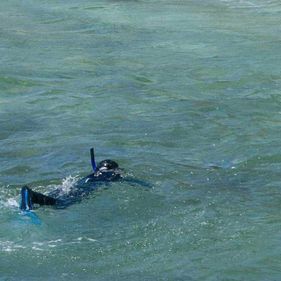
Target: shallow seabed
[{"x": 184, "y": 95}]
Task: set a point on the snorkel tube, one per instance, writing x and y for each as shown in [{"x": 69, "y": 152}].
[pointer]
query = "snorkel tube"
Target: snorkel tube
[{"x": 93, "y": 162}]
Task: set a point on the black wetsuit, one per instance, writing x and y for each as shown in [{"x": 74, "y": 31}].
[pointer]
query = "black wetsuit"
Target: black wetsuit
[{"x": 106, "y": 171}]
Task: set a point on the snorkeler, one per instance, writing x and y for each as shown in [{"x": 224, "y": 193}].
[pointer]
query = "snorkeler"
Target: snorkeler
[{"x": 106, "y": 171}]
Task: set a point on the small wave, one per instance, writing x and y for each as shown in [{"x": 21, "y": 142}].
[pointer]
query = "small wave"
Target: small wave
[
  {"x": 10, "y": 246},
  {"x": 247, "y": 4}
]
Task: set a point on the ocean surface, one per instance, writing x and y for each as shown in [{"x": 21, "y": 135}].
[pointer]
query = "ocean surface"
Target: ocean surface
[{"x": 185, "y": 95}]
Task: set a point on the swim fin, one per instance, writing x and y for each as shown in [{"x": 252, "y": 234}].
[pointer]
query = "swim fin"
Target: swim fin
[
  {"x": 26, "y": 199},
  {"x": 30, "y": 197}
]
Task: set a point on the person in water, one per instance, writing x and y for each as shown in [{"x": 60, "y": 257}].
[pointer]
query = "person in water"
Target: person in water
[{"x": 106, "y": 171}]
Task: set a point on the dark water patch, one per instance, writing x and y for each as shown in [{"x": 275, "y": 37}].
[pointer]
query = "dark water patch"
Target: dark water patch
[
  {"x": 94, "y": 8},
  {"x": 19, "y": 170},
  {"x": 142, "y": 79},
  {"x": 16, "y": 123},
  {"x": 12, "y": 84},
  {"x": 54, "y": 21}
]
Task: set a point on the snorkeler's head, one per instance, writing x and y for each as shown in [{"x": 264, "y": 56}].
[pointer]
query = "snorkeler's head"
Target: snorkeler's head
[
  {"x": 106, "y": 170},
  {"x": 106, "y": 165}
]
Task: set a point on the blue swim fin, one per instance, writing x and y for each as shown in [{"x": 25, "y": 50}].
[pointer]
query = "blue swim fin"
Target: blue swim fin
[
  {"x": 32, "y": 216},
  {"x": 26, "y": 205},
  {"x": 26, "y": 201},
  {"x": 93, "y": 159}
]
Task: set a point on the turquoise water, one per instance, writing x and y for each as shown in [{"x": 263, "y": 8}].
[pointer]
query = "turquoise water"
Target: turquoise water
[{"x": 184, "y": 95}]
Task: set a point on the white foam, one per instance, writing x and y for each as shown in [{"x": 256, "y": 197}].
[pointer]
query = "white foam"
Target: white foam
[
  {"x": 248, "y": 4},
  {"x": 67, "y": 184},
  {"x": 11, "y": 202},
  {"x": 37, "y": 249},
  {"x": 55, "y": 241},
  {"x": 91, "y": 239},
  {"x": 80, "y": 239},
  {"x": 9, "y": 246}
]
